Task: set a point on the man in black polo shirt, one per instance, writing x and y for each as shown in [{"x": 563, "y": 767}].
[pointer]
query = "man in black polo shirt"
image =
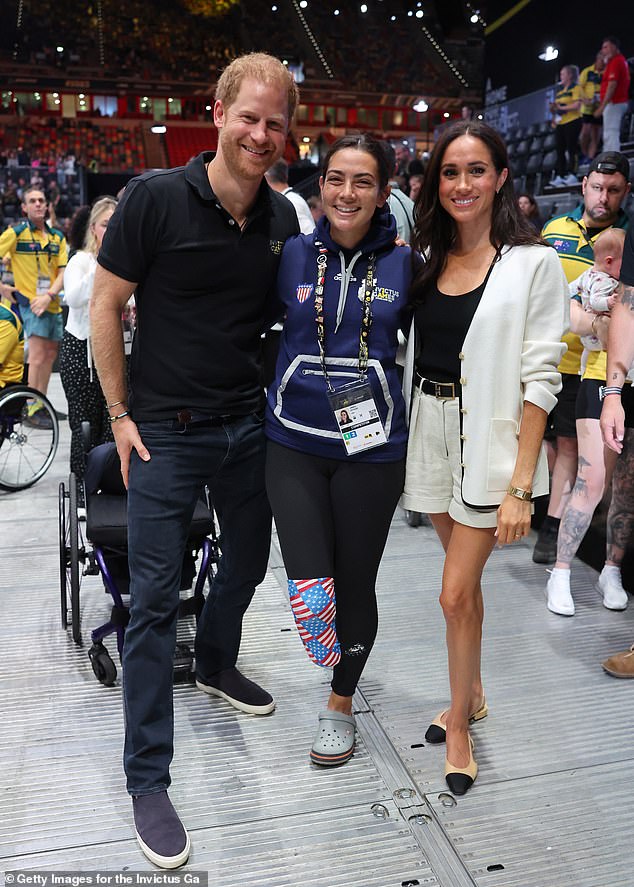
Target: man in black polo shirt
[{"x": 200, "y": 247}]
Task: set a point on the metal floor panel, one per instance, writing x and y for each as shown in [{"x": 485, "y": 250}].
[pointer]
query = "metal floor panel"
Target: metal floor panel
[
  {"x": 572, "y": 829},
  {"x": 348, "y": 847},
  {"x": 550, "y": 807}
]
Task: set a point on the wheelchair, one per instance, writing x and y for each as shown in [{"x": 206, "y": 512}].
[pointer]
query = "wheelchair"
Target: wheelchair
[
  {"x": 26, "y": 449},
  {"x": 97, "y": 546}
]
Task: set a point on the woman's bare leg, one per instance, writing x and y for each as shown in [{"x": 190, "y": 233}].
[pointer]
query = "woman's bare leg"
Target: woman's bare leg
[
  {"x": 461, "y": 599},
  {"x": 447, "y": 528}
]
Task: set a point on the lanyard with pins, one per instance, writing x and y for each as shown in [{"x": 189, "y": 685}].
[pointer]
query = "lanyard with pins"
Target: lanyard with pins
[
  {"x": 366, "y": 318},
  {"x": 37, "y": 249}
]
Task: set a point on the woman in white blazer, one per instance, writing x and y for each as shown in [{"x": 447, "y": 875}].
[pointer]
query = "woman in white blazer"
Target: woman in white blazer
[
  {"x": 491, "y": 306},
  {"x": 79, "y": 377}
]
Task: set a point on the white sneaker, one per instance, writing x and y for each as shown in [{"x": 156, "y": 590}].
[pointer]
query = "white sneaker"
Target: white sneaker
[
  {"x": 558, "y": 590},
  {"x": 558, "y": 182},
  {"x": 610, "y": 585},
  {"x": 571, "y": 179}
]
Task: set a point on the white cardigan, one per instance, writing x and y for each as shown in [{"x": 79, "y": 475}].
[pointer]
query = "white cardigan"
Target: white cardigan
[{"x": 510, "y": 355}]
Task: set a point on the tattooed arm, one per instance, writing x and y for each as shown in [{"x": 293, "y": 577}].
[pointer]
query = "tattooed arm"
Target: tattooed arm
[{"x": 620, "y": 359}]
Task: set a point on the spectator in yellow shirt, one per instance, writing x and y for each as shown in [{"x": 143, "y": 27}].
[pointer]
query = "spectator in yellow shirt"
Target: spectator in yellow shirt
[
  {"x": 590, "y": 85},
  {"x": 38, "y": 256},
  {"x": 567, "y": 110}
]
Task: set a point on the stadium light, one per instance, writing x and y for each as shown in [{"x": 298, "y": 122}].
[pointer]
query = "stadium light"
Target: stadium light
[
  {"x": 421, "y": 106},
  {"x": 549, "y": 54}
]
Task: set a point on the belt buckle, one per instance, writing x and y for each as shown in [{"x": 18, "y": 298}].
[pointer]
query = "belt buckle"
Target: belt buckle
[{"x": 439, "y": 395}]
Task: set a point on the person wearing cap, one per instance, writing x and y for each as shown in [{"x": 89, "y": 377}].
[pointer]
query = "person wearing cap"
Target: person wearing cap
[
  {"x": 615, "y": 87},
  {"x": 606, "y": 185},
  {"x": 573, "y": 235}
]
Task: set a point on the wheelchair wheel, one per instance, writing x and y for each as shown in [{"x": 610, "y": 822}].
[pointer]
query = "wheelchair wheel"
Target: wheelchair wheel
[
  {"x": 70, "y": 554},
  {"x": 28, "y": 437},
  {"x": 102, "y": 665}
]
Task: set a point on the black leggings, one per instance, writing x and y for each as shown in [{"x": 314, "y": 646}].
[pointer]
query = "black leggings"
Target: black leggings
[
  {"x": 332, "y": 519},
  {"x": 567, "y": 143}
]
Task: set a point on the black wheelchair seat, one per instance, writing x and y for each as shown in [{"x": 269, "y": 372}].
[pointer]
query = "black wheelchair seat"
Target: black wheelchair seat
[
  {"x": 106, "y": 502},
  {"x": 106, "y": 531}
]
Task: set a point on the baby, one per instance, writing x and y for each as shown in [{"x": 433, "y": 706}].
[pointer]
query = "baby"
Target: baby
[{"x": 595, "y": 287}]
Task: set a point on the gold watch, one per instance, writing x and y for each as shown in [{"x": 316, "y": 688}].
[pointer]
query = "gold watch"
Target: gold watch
[{"x": 525, "y": 495}]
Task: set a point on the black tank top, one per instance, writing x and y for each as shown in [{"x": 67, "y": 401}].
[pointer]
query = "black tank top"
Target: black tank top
[{"x": 442, "y": 322}]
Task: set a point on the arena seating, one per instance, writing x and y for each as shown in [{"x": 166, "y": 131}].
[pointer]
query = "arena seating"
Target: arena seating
[{"x": 184, "y": 142}]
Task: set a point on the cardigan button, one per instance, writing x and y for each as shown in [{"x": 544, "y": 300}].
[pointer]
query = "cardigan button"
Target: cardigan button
[
  {"x": 461, "y": 356},
  {"x": 463, "y": 381},
  {"x": 462, "y": 465},
  {"x": 463, "y": 411},
  {"x": 463, "y": 437}
]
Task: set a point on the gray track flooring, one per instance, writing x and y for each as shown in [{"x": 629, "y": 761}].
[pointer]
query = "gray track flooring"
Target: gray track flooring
[{"x": 551, "y": 806}]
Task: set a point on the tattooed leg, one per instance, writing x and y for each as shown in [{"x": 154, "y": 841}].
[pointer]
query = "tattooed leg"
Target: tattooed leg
[
  {"x": 594, "y": 467},
  {"x": 620, "y": 523}
]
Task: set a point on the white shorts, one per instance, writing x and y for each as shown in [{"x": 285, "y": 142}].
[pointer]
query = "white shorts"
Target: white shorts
[{"x": 433, "y": 476}]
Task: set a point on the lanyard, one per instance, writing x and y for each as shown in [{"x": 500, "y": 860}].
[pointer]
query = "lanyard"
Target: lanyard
[
  {"x": 45, "y": 249},
  {"x": 366, "y": 318},
  {"x": 584, "y": 234}
]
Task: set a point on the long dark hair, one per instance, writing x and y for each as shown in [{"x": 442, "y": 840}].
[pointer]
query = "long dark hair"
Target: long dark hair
[
  {"x": 363, "y": 141},
  {"x": 434, "y": 229}
]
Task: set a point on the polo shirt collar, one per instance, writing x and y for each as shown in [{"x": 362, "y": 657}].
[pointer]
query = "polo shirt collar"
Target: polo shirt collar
[
  {"x": 33, "y": 227},
  {"x": 196, "y": 176}
]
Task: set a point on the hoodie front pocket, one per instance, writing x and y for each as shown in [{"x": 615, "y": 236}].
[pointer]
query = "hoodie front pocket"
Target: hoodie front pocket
[{"x": 301, "y": 403}]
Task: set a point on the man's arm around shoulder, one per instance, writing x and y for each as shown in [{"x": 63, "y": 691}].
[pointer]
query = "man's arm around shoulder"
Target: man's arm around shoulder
[
  {"x": 620, "y": 359},
  {"x": 110, "y": 295}
]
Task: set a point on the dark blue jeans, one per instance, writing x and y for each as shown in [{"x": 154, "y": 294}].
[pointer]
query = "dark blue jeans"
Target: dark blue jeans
[{"x": 161, "y": 498}]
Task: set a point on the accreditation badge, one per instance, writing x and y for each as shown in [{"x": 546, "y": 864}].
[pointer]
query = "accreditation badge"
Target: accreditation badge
[
  {"x": 43, "y": 285},
  {"x": 357, "y": 417}
]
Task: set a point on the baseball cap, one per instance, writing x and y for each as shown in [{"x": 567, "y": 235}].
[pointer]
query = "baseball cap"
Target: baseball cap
[{"x": 610, "y": 162}]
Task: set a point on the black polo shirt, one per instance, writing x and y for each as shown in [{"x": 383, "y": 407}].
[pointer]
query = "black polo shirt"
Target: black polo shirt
[{"x": 203, "y": 290}]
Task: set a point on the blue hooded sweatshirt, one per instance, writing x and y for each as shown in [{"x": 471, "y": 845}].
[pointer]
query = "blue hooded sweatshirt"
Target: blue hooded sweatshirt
[{"x": 298, "y": 413}]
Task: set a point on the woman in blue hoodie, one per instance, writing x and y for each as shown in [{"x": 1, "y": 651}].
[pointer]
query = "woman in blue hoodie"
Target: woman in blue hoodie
[{"x": 333, "y": 488}]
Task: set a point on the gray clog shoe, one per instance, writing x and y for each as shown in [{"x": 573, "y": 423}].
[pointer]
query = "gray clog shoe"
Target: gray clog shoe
[{"x": 334, "y": 742}]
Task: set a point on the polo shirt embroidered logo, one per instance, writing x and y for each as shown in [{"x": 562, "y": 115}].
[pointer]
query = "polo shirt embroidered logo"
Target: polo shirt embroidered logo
[
  {"x": 276, "y": 247},
  {"x": 304, "y": 291}
]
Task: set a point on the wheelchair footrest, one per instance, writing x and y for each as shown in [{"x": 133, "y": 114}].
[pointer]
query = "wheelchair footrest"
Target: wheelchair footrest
[{"x": 183, "y": 665}]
